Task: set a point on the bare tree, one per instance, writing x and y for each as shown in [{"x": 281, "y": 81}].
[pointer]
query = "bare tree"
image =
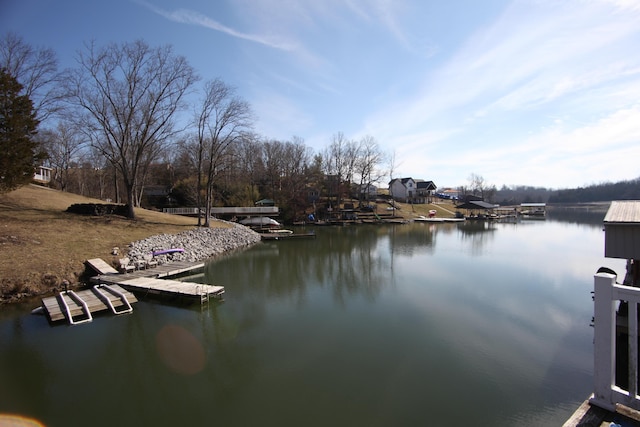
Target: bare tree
[
  {"x": 367, "y": 166},
  {"x": 221, "y": 121},
  {"x": 63, "y": 145},
  {"x": 392, "y": 171},
  {"x": 129, "y": 94},
  {"x": 479, "y": 187},
  {"x": 335, "y": 163},
  {"x": 36, "y": 70}
]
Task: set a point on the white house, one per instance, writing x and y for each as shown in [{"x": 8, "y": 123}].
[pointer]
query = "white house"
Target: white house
[
  {"x": 409, "y": 190},
  {"x": 402, "y": 189},
  {"x": 42, "y": 175}
]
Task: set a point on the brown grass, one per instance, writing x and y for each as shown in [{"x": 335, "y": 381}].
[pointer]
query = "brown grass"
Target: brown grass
[{"x": 41, "y": 245}]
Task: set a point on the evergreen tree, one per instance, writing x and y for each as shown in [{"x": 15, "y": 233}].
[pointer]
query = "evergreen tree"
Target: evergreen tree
[{"x": 17, "y": 129}]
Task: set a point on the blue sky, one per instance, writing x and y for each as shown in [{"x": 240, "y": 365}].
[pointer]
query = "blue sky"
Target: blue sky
[{"x": 520, "y": 92}]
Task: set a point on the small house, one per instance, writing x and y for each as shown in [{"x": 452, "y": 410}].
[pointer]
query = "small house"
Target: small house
[
  {"x": 622, "y": 230},
  {"x": 42, "y": 175}
]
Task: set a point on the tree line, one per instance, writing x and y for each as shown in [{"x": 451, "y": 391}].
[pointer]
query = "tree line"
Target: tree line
[
  {"x": 602, "y": 192},
  {"x": 115, "y": 125}
]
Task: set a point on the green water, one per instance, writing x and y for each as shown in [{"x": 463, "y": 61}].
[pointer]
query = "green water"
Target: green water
[{"x": 399, "y": 325}]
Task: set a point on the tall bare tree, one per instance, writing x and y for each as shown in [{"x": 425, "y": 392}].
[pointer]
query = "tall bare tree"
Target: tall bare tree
[
  {"x": 336, "y": 164},
  {"x": 129, "y": 95},
  {"x": 222, "y": 120},
  {"x": 368, "y": 165},
  {"x": 63, "y": 145},
  {"x": 36, "y": 69},
  {"x": 479, "y": 187}
]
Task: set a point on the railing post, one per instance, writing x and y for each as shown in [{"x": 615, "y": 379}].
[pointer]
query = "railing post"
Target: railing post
[
  {"x": 633, "y": 351},
  {"x": 604, "y": 340}
]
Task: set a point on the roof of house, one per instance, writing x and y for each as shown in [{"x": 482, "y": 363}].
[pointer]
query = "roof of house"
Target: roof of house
[
  {"x": 403, "y": 181},
  {"x": 429, "y": 185},
  {"x": 623, "y": 211},
  {"x": 475, "y": 204}
]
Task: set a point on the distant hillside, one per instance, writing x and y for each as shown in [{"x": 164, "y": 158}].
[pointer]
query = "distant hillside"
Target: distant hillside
[{"x": 604, "y": 192}]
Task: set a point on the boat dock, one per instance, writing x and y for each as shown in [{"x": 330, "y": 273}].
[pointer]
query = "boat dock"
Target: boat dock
[
  {"x": 283, "y": 236},
  {"x": 115, "y": 291},
  {"x": 150, "y": 282},
  {"x": 78, "y": 306}
]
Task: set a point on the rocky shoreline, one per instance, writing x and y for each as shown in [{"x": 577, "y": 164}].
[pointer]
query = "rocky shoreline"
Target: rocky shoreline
[{"x": 199, "y": 243}]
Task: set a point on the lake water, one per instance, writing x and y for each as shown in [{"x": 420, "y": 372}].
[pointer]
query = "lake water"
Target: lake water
[{"x": 468, "y": 324}]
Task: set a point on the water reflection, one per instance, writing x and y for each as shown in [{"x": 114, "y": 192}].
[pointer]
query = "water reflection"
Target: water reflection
[{"x": 579, "y": 214}]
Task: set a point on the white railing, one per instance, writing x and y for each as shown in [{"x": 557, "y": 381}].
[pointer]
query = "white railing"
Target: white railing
[
  {"x": 241, "y": 210},
  {"x": 181, "y": 211},
  {"x": 607, "y": 325},
  {"x": 42, "y": 174},
  {"x": 258, "y": 210}
]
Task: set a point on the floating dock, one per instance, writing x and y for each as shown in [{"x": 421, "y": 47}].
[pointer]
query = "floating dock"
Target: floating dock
[
  {"x": 283, "y": 236},
  {"x": 78, "y": 306},
  {"x": 150, "y": 282},
  {"x": 115, "y": 291},
  {"x": 163, "y": 287}
]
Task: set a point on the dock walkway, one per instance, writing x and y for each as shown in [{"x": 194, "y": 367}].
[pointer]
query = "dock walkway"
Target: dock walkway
[{"x": 150, "y": 281}]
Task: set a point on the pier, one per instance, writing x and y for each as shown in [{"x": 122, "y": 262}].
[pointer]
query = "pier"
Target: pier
[
  {"x": 152, "y": 281},
  {"x": 115, "y": 291},
  {"x": 78, "y": 306}
]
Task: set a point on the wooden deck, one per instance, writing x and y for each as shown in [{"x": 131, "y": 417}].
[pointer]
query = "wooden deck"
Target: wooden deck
[{"x": 55, "y": 311}]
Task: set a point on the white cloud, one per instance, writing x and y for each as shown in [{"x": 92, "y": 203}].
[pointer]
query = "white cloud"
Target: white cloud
[
  {"x": 191, "y": 17},
  {"x": 538, "y": 59}
]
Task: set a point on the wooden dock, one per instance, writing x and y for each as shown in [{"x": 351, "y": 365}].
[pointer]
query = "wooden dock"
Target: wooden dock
[
  {"x": 115, "y": 291},
  {"x": 59, "y": 307},
  {"x": 151, "y": 282},
  {"x": 283, "y": 236}
]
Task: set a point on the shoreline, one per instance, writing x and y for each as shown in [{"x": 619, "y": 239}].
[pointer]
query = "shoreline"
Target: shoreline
[{"x": 199, "y": 244}]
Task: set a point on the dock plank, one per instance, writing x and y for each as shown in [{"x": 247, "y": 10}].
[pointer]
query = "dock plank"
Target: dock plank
[
  {"x": 189, "y": 289},
  {"x": 100, "y": 266},
  {"x": 154, "y": 281}
]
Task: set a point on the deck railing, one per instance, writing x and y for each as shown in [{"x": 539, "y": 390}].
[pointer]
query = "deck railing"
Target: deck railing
[
  {"x": 181, "y": 211},
  {"x": 258, "y": 210},
  {"x": 608, "y": 326}
]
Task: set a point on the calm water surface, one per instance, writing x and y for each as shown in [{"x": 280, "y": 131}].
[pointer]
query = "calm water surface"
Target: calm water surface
[{"x": 407, "y": 325}]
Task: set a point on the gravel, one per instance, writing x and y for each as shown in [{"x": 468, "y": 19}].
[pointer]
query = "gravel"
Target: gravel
[{"x": 198, "y": 244}]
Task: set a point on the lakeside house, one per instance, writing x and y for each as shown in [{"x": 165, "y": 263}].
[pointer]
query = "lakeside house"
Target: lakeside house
[
  {"x": 42, "y": 175},
  {"x": 409, "y": 190}
]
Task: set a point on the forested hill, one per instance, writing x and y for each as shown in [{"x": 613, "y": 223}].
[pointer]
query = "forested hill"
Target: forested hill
[
  {"x": 623, "y": 190},
  {"x": 605, "y": 192}
]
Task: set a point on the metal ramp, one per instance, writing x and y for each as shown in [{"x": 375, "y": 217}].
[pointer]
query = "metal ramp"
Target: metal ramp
[
  {"x": 76, "y": 299},
  {"x": 105, "y": 298}
]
